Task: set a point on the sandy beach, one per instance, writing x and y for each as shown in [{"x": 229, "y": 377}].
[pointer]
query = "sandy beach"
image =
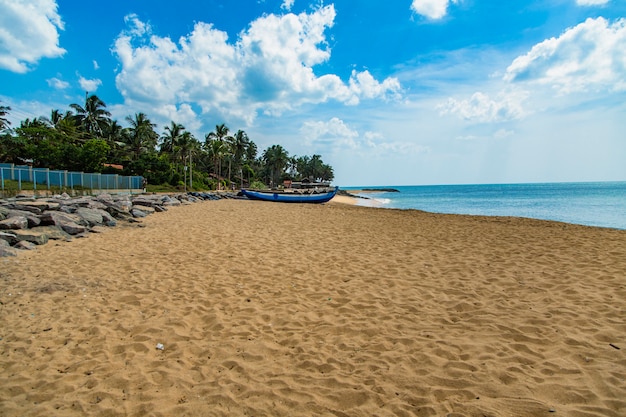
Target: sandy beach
[{"x": 264, "y": 309}]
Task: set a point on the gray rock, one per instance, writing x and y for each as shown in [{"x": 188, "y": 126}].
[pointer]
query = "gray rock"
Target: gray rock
[
  {"x": 135, "y": 212},
  {"x": 33, "y": 219},
  {"x": 82, "y": 201},
  {"x": 24, "y": 245},
  {"x": 105, "y": 198},
  {"x": 37, "y": 206},
  {"x": 119, "y": 208},
  {"x": 107, "y": 219},
  {"x": 168, "y": 201},
  {"x": 53, "y": 232},
  {"x": 24, "y": 207},
  {"x": 144, "y": 202},
  {"x": 57, "y": 217},
  {"x": 73, "y": 228},
  {"x": 145, "y": 209},
  {"x": 14, "y": 223},
  {"x": 68, "y": 209},
  {"x": 25, "y": 197},
  {"x": 70, "y": 223},
  {"x": 91, "y": 216},
  {"x": 29, "y": 235},
  {"x": 8, "y": 238},
  {"x": 65, "y": 218},
  {"x": 97, "y": 205},
  {"x": 120, "y": 215}
]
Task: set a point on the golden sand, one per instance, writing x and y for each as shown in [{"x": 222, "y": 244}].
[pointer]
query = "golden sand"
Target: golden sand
[{"x": 334, "y": 310}]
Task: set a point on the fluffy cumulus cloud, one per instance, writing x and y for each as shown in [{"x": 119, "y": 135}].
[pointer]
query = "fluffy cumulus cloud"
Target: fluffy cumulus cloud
[
  {"x": 89, "y": 85},
  {"x": 29, "y": 31},
  {"x": 480, "y": 107},
  {"x": 333, "y": 133},
  {"x": 432, "y": 9},
  {"x": 268, "y": 69},
  {"x": 587, "y": 57}
]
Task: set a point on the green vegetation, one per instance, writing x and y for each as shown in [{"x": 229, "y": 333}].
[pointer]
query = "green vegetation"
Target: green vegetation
[{"x": 86, "y": 139}]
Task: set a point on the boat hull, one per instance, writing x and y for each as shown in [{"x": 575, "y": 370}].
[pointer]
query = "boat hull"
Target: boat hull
[{"x": 290, "y": 197}]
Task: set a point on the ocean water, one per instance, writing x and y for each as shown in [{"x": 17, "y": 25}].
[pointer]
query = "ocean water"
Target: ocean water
[{"x": 600, "y": 204}]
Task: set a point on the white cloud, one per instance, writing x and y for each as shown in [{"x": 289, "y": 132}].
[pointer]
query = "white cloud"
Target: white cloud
[
  {"x": 335, "y": 136},
  {"x": 503, "y": 134},
  {"x": 28, "y": 32},
  {"x": 480, "y": 107},
  {"x": 95, "y": 65},
  {"x": 375, "y": 142},
  {"x": 432, "y": 9},
  {"x": 89, "y": 85},
  {"x": 334, "y": 133},
  {"x": 57, "y": 83},
  {"x": 587, "y": 57},
  {"x": 268, "y": 69},
  {"x": 135, "y": 26},
  {"x": 287, "y": 4},
  {"x": 591, "y": 2}
]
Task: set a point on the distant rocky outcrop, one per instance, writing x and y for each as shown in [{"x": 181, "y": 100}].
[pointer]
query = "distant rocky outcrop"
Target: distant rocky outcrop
[
  {"x": 26, "y": 221},
  {"x": 381, "y": 190}
]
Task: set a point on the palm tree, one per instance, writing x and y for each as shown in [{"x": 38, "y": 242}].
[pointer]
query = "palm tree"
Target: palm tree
[
  {"x": 239, "y": 145},
  {"x": 251, "y": 152},
  {"x": 93, "y": 117},
  {"x": 251, "y": 165},
  {"x": 316, "y": 166},
  {"x": 171, "y": 136},
  {"x": 221, "y": 132},
  {"x": 216, "y": 150},
  {"x": 217, "y": 144},
  {"x": 186, "y": 148},
  {"x": 4, "y": 122},
  {"x": 275, "y": 158},
  {"x": 140, "y": 137},
  {"x": 55, "y": 118},
  {"x": 302, "y": 166},
  {"x": 327, "y": 173},
  {"x": 64, "y": 124},
  {"x": 114, "y": 136}
]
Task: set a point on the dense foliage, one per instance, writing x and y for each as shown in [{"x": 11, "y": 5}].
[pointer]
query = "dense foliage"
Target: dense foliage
[{"x": 85, "y": 138}]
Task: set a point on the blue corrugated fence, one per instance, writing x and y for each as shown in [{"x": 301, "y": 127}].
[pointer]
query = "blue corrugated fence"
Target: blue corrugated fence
[{"x": 44, "y": 179}]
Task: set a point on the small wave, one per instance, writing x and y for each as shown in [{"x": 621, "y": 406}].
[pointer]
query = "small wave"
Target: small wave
[
  {"x": 373, "y": 202},
  {"x": 382, "y": 201}
]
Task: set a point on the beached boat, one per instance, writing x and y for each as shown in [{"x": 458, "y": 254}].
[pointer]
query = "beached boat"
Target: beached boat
[{"x": 310, "y": 196}]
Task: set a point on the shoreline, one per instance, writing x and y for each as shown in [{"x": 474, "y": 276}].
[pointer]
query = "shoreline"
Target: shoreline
[
  {"x": 360, "y": 198},
  {"x": 281, "y": 309}
]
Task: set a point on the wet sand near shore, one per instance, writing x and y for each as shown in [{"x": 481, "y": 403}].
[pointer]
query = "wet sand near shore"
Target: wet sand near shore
[{"x": 296, "y": 310}]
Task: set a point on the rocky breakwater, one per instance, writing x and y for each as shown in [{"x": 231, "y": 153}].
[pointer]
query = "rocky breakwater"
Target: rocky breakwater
[{"x": 26, "y": 222}]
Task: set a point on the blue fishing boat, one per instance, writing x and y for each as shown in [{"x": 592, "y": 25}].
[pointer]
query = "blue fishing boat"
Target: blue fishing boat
[{"x": 308, "y": 196}]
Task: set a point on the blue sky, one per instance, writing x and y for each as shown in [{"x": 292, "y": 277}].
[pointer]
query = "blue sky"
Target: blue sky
[{"x": 401, "y": 92}]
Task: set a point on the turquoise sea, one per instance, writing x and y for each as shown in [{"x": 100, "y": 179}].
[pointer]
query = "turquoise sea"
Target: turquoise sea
[{"x": 600, "y": 204}]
